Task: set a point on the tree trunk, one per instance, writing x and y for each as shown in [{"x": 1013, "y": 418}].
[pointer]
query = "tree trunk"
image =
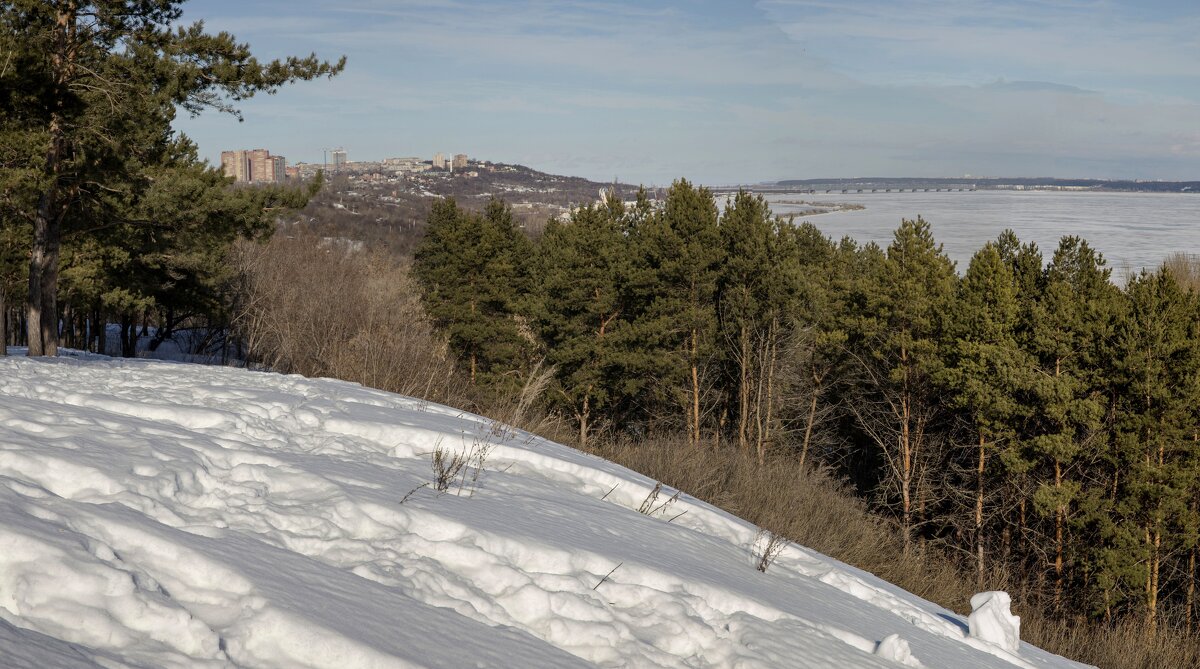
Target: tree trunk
[
  {"x": 129, "y": 336},
  {"x": 583, "y": 422},
  {"x": 41, "y": 307},
  {"x": 3, "y": 326},
  {"x": 1190, "y": 607},
  {"x": 808, "y": 426},
  {"x": 1152, "y": 580},
  {"x": 101, "y": 325},
  {"x": 906, "y": 450},
  {"x": 695, "y": 417},
  {"x": 744, "y": 389},
  {"x": 1060, "y": 513},
  {"x": 1021, "y": 523},
  {"x": 67, "y": 334},
  {"x": 905, "y": 470},
  {"x": 764, "y": 437},
  {"x": 979, "y": 512},
  {"x": 759, "y": 388},
  {"x": 1155, "y": 535}
]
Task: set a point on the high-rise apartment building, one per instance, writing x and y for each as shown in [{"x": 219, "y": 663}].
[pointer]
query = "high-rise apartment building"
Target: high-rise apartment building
[
  {"x": 439, "y": 161},
  {"x": 278, "y": 169},
  {"x": 460, "y": 161},
  {"x": 261, "y": 168},
  {"x": 254, "y": 166},
  {"x": 338, "y": 156},
  {"x": 235, "y": 165}
]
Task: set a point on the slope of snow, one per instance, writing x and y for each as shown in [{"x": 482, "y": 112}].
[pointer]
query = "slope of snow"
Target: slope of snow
[{"x": 168, "y": 515}]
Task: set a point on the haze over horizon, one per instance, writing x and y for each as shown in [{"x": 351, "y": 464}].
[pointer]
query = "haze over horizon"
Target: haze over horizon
[{"x": 720, "y": 91}]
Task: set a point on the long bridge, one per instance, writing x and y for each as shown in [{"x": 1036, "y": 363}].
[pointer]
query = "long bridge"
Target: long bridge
[{"x": 827, "y": 188}]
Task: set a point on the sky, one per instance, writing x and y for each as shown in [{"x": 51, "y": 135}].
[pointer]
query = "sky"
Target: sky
[{"x": 731, "y": 91}]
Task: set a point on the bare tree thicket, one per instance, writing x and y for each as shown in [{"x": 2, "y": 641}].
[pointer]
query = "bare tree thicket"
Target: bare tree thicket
[{"x": 314, "y": 307}]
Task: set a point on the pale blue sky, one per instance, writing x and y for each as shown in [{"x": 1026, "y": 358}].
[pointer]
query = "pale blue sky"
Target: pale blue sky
[{"x": 724, "y": 91}]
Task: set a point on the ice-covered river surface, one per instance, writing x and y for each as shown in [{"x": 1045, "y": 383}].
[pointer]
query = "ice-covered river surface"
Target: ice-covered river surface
[{"x": 1132, "y": 230}]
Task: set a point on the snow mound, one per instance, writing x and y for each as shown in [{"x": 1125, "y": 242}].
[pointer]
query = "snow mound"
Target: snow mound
[
  {"x": 993, "y": 622},
  {"x": 896, "y": 649},
  {"x": 169, "y": 515}
]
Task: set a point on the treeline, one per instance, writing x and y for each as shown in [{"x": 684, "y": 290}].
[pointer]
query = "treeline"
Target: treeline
[{"x": 1029, "y": 414}]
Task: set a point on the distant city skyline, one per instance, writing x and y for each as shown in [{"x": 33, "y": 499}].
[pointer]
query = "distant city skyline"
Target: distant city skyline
[{"x": 727, "y": 92}]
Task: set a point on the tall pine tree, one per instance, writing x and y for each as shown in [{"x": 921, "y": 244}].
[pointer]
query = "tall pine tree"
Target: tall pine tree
[
  {"x": 679, "y": 256},
  {"x": 474, "y": 277},
  {"x": 1070, "y": 322},
  {"x": 582, "y": 312},
  {"x": 904, "y": 357},
  {"x": 1156, "y": 366},
  {"x": 749, "y": 323},
  {"x": 87, "y": 96},
  {"x": 988, "y": 370}
]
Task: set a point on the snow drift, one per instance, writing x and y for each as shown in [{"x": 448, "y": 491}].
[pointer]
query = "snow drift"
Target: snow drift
[{"x": 168, "y": 515}]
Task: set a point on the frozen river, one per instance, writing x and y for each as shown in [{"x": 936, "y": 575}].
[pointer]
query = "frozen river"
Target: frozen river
[{"x": 1132, "y": 230}]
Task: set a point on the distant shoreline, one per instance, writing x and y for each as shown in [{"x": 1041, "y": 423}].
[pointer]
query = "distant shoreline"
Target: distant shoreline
[{"x": 919, "y": 184}]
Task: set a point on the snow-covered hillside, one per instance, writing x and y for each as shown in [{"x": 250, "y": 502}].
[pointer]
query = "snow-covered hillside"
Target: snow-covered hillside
[{"x": 169, "y": 515}]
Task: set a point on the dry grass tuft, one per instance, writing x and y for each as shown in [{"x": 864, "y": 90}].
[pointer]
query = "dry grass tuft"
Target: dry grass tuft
[
  {"x": 1127, "y": 644},
  {"x": 1185, "y": 267},
  {"x": 807, "y": 506}
]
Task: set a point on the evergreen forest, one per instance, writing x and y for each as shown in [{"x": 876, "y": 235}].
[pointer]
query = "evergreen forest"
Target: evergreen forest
[{"x": 1027, "y": 413}]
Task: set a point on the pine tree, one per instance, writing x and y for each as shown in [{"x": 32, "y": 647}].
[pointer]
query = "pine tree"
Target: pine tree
[
  {"x": 89, "y": 91},
  {"x": 582, "y": 312},
  {"x": 678, "y": 256},
  {"x": 1024, "y": 261},
  {"x": 804, "y": 286},
  {"x": 1070, "y": 323},
  {"x": 746, "y": 317},
  {"x": 904, "y": 357},
  {"x": 988, "y": 369},
  {"x": 1155, "y": 362},
  {"x": 474, "y": 275}
]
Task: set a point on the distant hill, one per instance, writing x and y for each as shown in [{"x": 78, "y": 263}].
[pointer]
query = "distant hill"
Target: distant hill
[{"x": 383, "y": 207}]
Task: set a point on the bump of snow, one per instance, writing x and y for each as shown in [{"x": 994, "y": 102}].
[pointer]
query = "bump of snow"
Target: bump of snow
[
  {"x": 896, "y": 649},
  {"x": 991, "y": 620}
]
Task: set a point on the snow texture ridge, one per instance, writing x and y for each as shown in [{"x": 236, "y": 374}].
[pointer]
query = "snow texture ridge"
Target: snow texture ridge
[{"x": 168, "y": 515}]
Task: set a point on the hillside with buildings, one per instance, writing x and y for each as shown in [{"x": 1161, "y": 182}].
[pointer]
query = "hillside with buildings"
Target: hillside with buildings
[{"x": 373, "y": 200}]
